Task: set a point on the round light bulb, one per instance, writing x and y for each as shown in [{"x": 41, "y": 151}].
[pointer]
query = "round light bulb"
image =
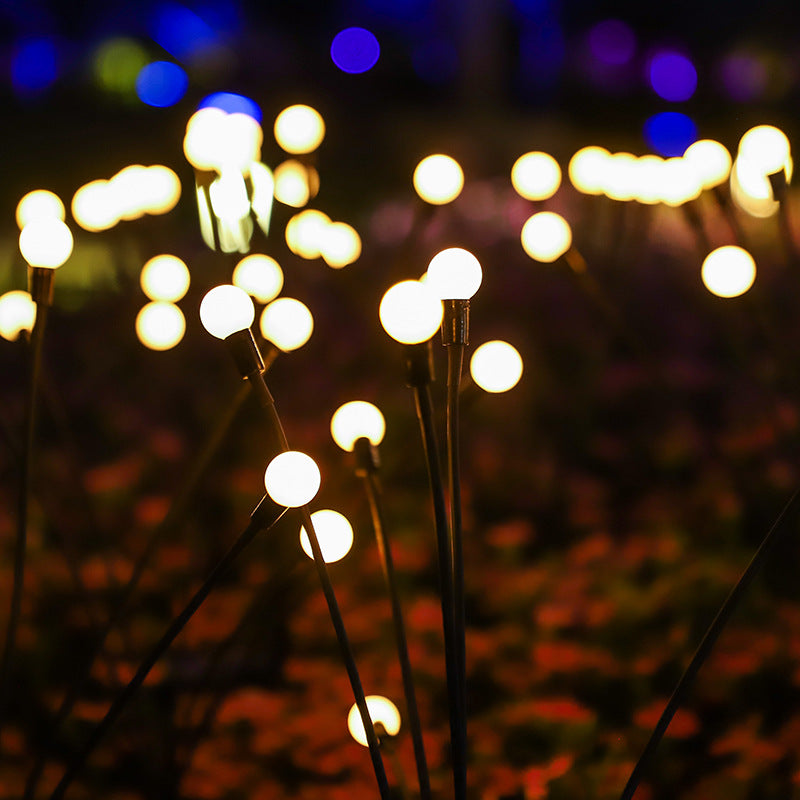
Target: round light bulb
[
  {"x": 728, "y": 271},
  {"x": 356, "y": 420},
  {"x": 305, "y": 233},
  {"x": 619, "y": 179},
  {"x": 410, "y": 312},
  {"x": 679, "y": 182},
  {"x": 536, "y": 176},
  {"x": 260, "y": 276},
  {"x": 160, "y": 325},
  {"x": 39, "y": 204},
  {"x": 587, "y": 169},
  {"x": 292, "y": 479},
  {"x": 204, "y": 142},
  {"x": 496, "y": 366},
  {"x": 767, "y": 147},
  {"x": 46, "y": 242},
  {"x": 340, "y": 245},
  {"x": 454, "y": 274},
  {"x": 287, "y": 323},
  {"x": 381, "y": 711},
  {"x": 242, "y": 142},
  {"x": 93, "y": 207},
  {"x": 225, "y": 310},
  {"x": 438, "y": 179},
  {"x": 165, "y": 278},
  {"x": 334, "y": 534},
  {"x": 546, "y": 236},
  {"x": 299, "y": 129},
  {"x": 710, "y": 160},
  {"x": 17, "y": 314},
  {"x": 129, "y": 191},
  {"x": 163, "y": 189},
  {"x": 295, "y": 183},
  {"x": 751, "y": 189},
  {"x": 648, "y": 179}
]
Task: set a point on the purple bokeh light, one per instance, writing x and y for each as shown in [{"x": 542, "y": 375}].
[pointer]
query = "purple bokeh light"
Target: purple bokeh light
[
  {"x": 355, "y": 50},
  {"x": 612, "y": 42},
  {"x": 672, "y": 76}
]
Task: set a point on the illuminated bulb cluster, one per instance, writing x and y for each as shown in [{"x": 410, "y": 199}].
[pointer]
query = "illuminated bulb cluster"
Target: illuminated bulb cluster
[
  {"x": 536, "y": 176},
  {"x": 39, "y": 204},
  {"x": 410, "y": 312},
  {"x": 160, "y": 325},
  {"x": 17, "y": 314},
  {"x": 438, "y": 179},
  {"x": 382, "y": 711},
  {"x": 763, "y": 151},
  {"x": 133, "y": 192},
  {"x": 312, "y": 234},
  {"x": 295, "y": 183}
]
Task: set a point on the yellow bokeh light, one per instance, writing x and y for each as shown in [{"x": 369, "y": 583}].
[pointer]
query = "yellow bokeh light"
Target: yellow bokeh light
[
  {"x": 163, "y": 189},
  {"x": 93, "y": 207},
  {"x": 160, "y": 326},
  {"x": 751, "y": 189},
  {"x": 355, "y": 420},
  {"x": 17, "y": 314},
  {"x": 410, "y": 312},
  {"x": 382, "y": 711},
  {"x": 536, "y": 176},
  {"x": 305, "y": 233},
  {"x": 340, "y": 245},
  {"x": 204, "y": 140},
  {"x": 648, "y": 175},
  {"x": 728, "y": 271},
  {"x": 165, "y": 277},
  {"x": 679, "y": 182},
  {"x": 334, "y": 535},
  {"x": 587, "y": 169},
  {"x": 260, "y": 276},
  {"x": 39, "y": 204},
  {"x": 295, "y": 183},
  {"x": 292, "y": 479},
  {"x": 46, "y": 242},
  {"x": 117, "y": 63},
  {"x": 710, "y": 160},
  {"x": 438, "y": 179},
  {"x": 299, "y": 129},
  {"x": 128, "y": 191},
  {"x": 287, "y": 323},
  {"x": 766, "y": 147},
  {"x": 496, "y": 366},
  {"x": 619, "y": 179},
  {"x": 546, "y": 236}
]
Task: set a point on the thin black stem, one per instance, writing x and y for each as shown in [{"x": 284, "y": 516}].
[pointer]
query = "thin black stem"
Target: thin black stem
[
  {"x": 372, "y": 489},
  {"x": 788, "y": 513}
]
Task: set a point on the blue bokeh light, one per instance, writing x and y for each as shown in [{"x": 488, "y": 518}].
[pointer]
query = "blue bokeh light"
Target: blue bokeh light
[
  {"x": 34, "y": 65},
  {"x": 669, "y": 133},
  {"x": 233, "y": 104},
  {"x": 161, "y": 84},
  {"x": 672, "y": 76},
  {"x": 355, "y": 50},
  {"x": 181, "y": 32},
  {"x": 612, "y": 42}
]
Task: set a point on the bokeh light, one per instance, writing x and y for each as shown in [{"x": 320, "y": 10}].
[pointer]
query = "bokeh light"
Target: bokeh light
[
  {"x": 334, "y": 535},
  {"x": 92, "y": 207},
  {"x": 299, "y": 129},
  {"x": 496, "y": 366},
  {"x": 34, "y": 65},
  {"x": 355, "y": 50},
  {"x": 340, "y": 245},
  {"x": 165, "y": 277},
  {"x": 767, "y": 148},
  {"x": 410, "y": 312},
  {"x": 161, "y": 84},
  {"x": 117, "y": 63},
  {"x": 295, "y": 183},
  {"x": 181, "y": 32},
  {"x": 292, "y": 479},
  {"x": 382, "y": 711},
  {"x": 728, "y": 271},
  {"x": 305, "y": 233},
  {"x": 438, "y": 179},
  {"x": 39, "y": 204},
  {"x": 587, "y": 169},
  {"x": 711, "y": 161},
  {"x": 160, "y": 325},
  {"x": 546, "y": 236},
  {"x": 613, "y": 42},
  {"x": 260, "y": 276},
  {"x": 454, "y": 274},
  {"x": 355, "y": 420},
  {"x": 672, "y": 76},
  {"x": 225, "y": 310},
  {"x": 669, "y": 133},
  {"x": 46, "y": 242},
  {"x": 17, "y": 314},
  {"x": 287, "y": 323},
  {"x": 232, "y": 103},
  {"x": 536, "y": 176}
]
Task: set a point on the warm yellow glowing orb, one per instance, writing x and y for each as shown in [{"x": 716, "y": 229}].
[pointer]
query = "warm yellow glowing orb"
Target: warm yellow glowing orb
[
  {"x": 242, "y": 141},
  {"x": 295, "y": 183},
  {"x": 299, "y": 129},
  {"x": 165, "y": 278},
  {"x": 46, "y": 242},
  {"x": 382, "y": 711},
  {"x": 129, "y": 190},
  {"x": 93, "y": 207},
  {"x": 728, "y": 271},
  {"x": 454, "y": 274},
  {"x": 334, "y": 534},
  {"x": 260, "y": 276},
  {"x": 163, "y": 189},
  {"x": 305, "y": 233},
  {"x": 648, "y": 175},
  {"x": 619, "y": 178},
  {"x": 410, "y": 312},
  {"x": 587, "y": 169},
  {"x": 287, "y": 323},
  {"x": 204, "y": 141},
  {"x": 438, "y": 179},
  {"x": 679, "y": 182},
  {"x": 546, "y": 236},
  {"x": 160, "y": 325},
  {"x": 767, "y": 147},
  {"x": 292, "y": 479},
  {"x": 536, "y": 176},
  {"x": 17, "y": 314},
  {"x": 710, "y": 160},
  {"x": 229, "y": 198},
  {"x": 356, "y": 420},
  {"x": 496, "y": 366},
  {"x": 751, "y": 189},
  {"x": 39, "y": 204},
  {"x": 225, "y": 310},
  {"x": 340, "y": 245}
]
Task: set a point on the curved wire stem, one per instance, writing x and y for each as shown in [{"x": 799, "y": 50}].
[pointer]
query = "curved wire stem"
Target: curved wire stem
[{"x": 707, "y": 643}]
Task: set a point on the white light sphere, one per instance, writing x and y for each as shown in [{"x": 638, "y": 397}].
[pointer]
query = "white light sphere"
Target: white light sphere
[
  {"x": 204, "y": 142},
  {"x": 165, "y": 277},
  {"x": 496, "y": 366},
  {"x": 546, "y": 236},
  {"x": 260, "y": 276},
  {"x": 454, "y": 274},
  {"x": 711, "y": 161},
  {"x": 356, "y": 420},
  {"x": 587, "y": 169},
  {"x": 410, "y": 312},
  {"x": 242, "y": 142},
  {"x": 767, "y": 147},
  {"x": 129, "y": 191},
  {"x": 17, "y": 314},
  {"x": 305, "y": 233},
  {"x": 751, "y": 189},
  {"x": 619, "y": 181},
  {"x": 536, "y": 176},
  {"x": 340, "y": 245},
  {"x": 728, "y": 271},
  {"x": 39, "y": 204},
  {"x": 649, "y": 171},
  {"x": 295, "y": 183},
  {"x": 46, "y": 242},
  {"x": 438, "y": 179},
  {"x": 225, "y": 310},
  {"x": 229, "y": 199},
  {"x": 93, "y": 207},
  {"x": 287, "y": 323},
  {"x": 163, "y": 189},
  {"x": 299, "y": 129},
  {"x": 381, "y": 711},
  {"x": 679, "y": 182},
  {"x": 334, "y": 534},
  {"x": 292, "y": 479},
  {"x": 160, "y": 325}
]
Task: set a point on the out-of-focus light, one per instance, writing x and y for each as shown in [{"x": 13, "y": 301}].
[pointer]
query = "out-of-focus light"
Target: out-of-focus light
[
  {"x": 669, "y": 133},
  {"x": 263, "y": 184},
  {"x": 295, "y": 183},
  {"x": 648, "y": 174},
  {"x": 672, "y": 76},
  {"x": 620, "y": 179},
  {"x": 161, "y": 84},
  {"x": 410, "y": 312},
  {"x": 305, "y": 233},
  {"x": 334, "y": 534},
  {"x": 728, "y": 271},
  {"x": 260, "y": 276},
  {"x": 292, "y": 479},
  {"x": 163, "y": 189},
  {"x": 438, "y": 179},
  {"x": 287, "y": 323},
  {"x": 454, "y": 274},
  {"x": 165, "y": 278},
  {"x": 225, "y": 310},
  {"x": 181, "y": 32},
  {"x": 229, "y": 198},
  {"x": 751, "y": 189},
  {"x": 92, "y": 207},
  {"x": 341, "y": 245},
  {"x": 496, "y": 366},
  {"x": 46, "y": 242},
  {"x": 39, "y": 204},
  {"x": 612, "y": 41},
  {"x": 117, "y": 63},
  {"x": 546, "y": 236},
  {"x": 355, "y": 50},
  {"x": 128, "y": 191},
  {"x": 299, "y": 129},
  {"x": 744, "y": 76},
  {"x": 160, "y": 325},
  {"x": 205, "y": 138},
  {"x": 767, "y": 148},
  {"x": 34, "y": 65},
  {"x": 536, "y": 176},
  {"x": 232, "y": 103},
  {"x": 382, "y": 711},
  {"x": 17, "y": 314},
  {"x": 679, "y": 182},
  {"x": 356, "y": 420},
  {"x": 587, "y": 169},
  {"x": 710, "y": 160}
]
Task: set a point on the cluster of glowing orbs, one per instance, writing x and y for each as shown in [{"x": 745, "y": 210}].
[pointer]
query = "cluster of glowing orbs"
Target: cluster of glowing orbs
[
  {"x": 225, "y": 310},
  {"x": 410, "y": 312},
  {"x": 305, "y": 232},
  {"x": 546, "y": 236},
  {"x": 160, "y": 325},
  {"x": 679, "y": 182},
  {"x": 587, "y": 169},
  {"x": 299, "y": 129},
  {"x": 216, "y": 140},
  {"x": 92, "y": 208},
  {"x": 438, "y": 179},
  {"x": 454, "y": 274},
  {"x": 260, "y": 276},
  {"x": 496, "y": 366},
  {"x": 382, "y": 711},
  {"x": 728, "y": 271},
  {"x": 287, "y": 323},
  {"x": 17, "y": 314},
  {"x": 620, "y": 177},
  {"x": 46, "y": 242},
  {"x": 295, "y": 183},
  {"x": 536, "y": 176},
  {"x": 292, "y": 479},
  {"x": 39, "y": 204},
  {"x": 355, "y": 420},
  {"x": 165, "y": 278},
  {"x": 340, "y": 245},
  {"x": 334, "y": 535},
  {"x": 711, "y": 160}
]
